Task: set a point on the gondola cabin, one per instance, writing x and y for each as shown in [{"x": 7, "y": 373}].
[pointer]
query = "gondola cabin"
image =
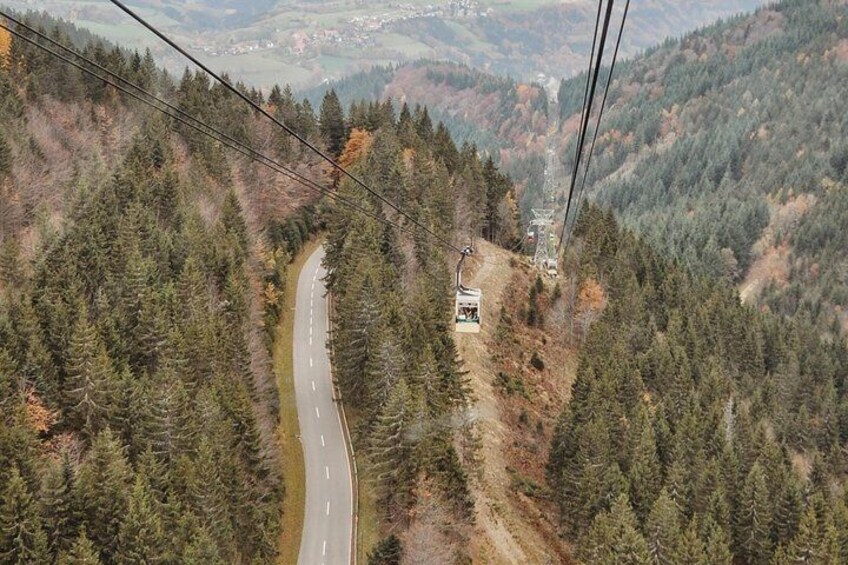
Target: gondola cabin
[
  {"x": 468, "y": 310},
  {"x": 468, "y": 301}
]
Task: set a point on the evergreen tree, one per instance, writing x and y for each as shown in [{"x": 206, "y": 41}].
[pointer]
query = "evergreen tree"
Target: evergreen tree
[
  {"x": 807, "y": 546},
  {"x": 82, "y": 553},
  {"x": 613, "y": 538},
  {"x": 754, "y": 518},
  {"x": 332, "y": 120},
  {"x": 141, "y": 536},
  {"x": 22, "y": 538},
  {"x": 103, "y": 482},
  {"x": 90, "y": 379},
  {"x": 662, "y": 531},
  {"x": 718, "y": 545},
  {"x": 690, "y": 548},
  {"x": 393, "y": 448},
  {"x": 60, "y": 520},
  {"x": 5, "y": 156},
  {"x": 388, "y": 552},
  {"x": 645, "y": 477}
]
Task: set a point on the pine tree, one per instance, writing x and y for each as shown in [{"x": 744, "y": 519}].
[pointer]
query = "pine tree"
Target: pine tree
[
  {"x": 82, "y": 553},
  {"x": 388, "y": 552},
  {"x": 332, "y": 120},
  {"x": 5, "y": 156},
  {"x": 662, "y": 531},
  {"x": 201, "y": 549},
  {"x": 787, "y": 510},
  {"x": 754, "y": 518},
  {"x": 690, "y": 548},
  {"x": 209, "y": 495},
  {"x": 718, "y": 545},
  {"x": 100, "y": 492},
  {"x": 393, "y": 449},
  {"x": 806, "y": 546},
  {"x": 645, "y": 477},
  {"x": 22, "y": 538},
  {"x": 57, "y": 501},
  {"x": 613, "y": 538},
  {"x": 141, "y": 537},
  {"x": 90, "y": 380}
]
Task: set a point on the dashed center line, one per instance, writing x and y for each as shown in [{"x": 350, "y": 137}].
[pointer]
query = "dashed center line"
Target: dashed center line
[
  {"x": 324, "y": 549},
  {"x": 313, "y": 385},
  {"x": 328, "y": 508},
  {"x": 317, "y": 414},
  {"x": 322, "y": 441},
  {"x": 327, "y": 472}
]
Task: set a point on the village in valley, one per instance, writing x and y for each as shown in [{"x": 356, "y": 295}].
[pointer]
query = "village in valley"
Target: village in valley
[{"x": 358, "y": 32}]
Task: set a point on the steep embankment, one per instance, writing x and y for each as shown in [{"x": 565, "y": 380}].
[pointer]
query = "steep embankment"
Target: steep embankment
[{"x": 514, "y": 409}]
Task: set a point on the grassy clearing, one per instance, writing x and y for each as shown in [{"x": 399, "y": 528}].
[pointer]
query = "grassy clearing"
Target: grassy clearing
[
  {"x": 294, "y": 474},
  {"x": 368, "y": 526}
]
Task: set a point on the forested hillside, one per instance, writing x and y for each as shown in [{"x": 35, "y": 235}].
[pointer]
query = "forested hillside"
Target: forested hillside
[
  {"x": 736, "y": 128},
  {"x": 394, "y": 351},
  {"x": 139, "y": 409},
  {"x": 699, "y": 430},
  {"x": 714, "y": 146},
  {"x": 141, "y": 279},
  {"x": 504, "y": 119}
]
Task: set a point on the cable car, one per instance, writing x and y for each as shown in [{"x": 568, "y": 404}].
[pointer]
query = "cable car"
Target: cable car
[
  {"x": 551, "y": 269},
  {"x": 468, "y": 301}
]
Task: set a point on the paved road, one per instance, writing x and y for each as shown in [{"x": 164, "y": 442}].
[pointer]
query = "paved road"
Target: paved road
[{"x": 328, "y": 519}]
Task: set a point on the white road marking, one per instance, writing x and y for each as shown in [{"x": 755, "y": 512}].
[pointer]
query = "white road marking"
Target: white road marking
[
  {"x": 317, "y": 414},
  {"x": 322, "y": 441},
  {"x": 310, "y": 319},
  {"x": 328, "y": 508},
  {"x": 313, "y": 386},
  {"x": 324, "y": 550},
  {"x": 310, "y": 330},
  {"x": 327, "y": 472},
  {"x": 310, "y": 340},
  {"x": 310, "y": 361}
]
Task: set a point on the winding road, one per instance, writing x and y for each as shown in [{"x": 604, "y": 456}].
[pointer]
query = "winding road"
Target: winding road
[{"x": 328, "y": 519}]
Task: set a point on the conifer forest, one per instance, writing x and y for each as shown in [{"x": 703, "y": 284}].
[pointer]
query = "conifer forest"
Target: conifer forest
[{"x": 428, "y": 312}]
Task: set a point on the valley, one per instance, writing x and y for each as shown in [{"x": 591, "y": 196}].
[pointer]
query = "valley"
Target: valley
[
  {"x": 306, "y": 43},
  {"x": 214, "y": 294}
]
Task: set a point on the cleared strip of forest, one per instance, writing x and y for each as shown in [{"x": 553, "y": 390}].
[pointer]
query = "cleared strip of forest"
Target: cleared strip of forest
[{"x": 294, "y": 476}]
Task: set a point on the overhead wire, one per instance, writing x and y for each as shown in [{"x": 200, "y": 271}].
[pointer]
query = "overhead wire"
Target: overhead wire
[
  {"x": 281, "y": 124},
  {"x": 586, "y": 115},
  {"x": 581, "y": 192},
  {"x": 589, "y": 75},
  {"x": 189, "y": 120}
]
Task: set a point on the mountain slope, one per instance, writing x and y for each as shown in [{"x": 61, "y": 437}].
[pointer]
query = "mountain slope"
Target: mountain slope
[
  {"x": 709, "y": 138},
  {"x": 718, "y": 147}
]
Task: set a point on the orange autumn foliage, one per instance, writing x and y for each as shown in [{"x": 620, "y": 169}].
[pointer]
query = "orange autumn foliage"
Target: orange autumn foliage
[
  {"x": 591, "y": 297},
  {"x": 357, "y": 146},
  {"x": 39, "y": 417},
  {"x": 5, "y": 46}
]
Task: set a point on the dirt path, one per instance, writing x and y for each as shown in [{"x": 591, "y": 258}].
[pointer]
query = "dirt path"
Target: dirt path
[{"x": 501, "y": 535}]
